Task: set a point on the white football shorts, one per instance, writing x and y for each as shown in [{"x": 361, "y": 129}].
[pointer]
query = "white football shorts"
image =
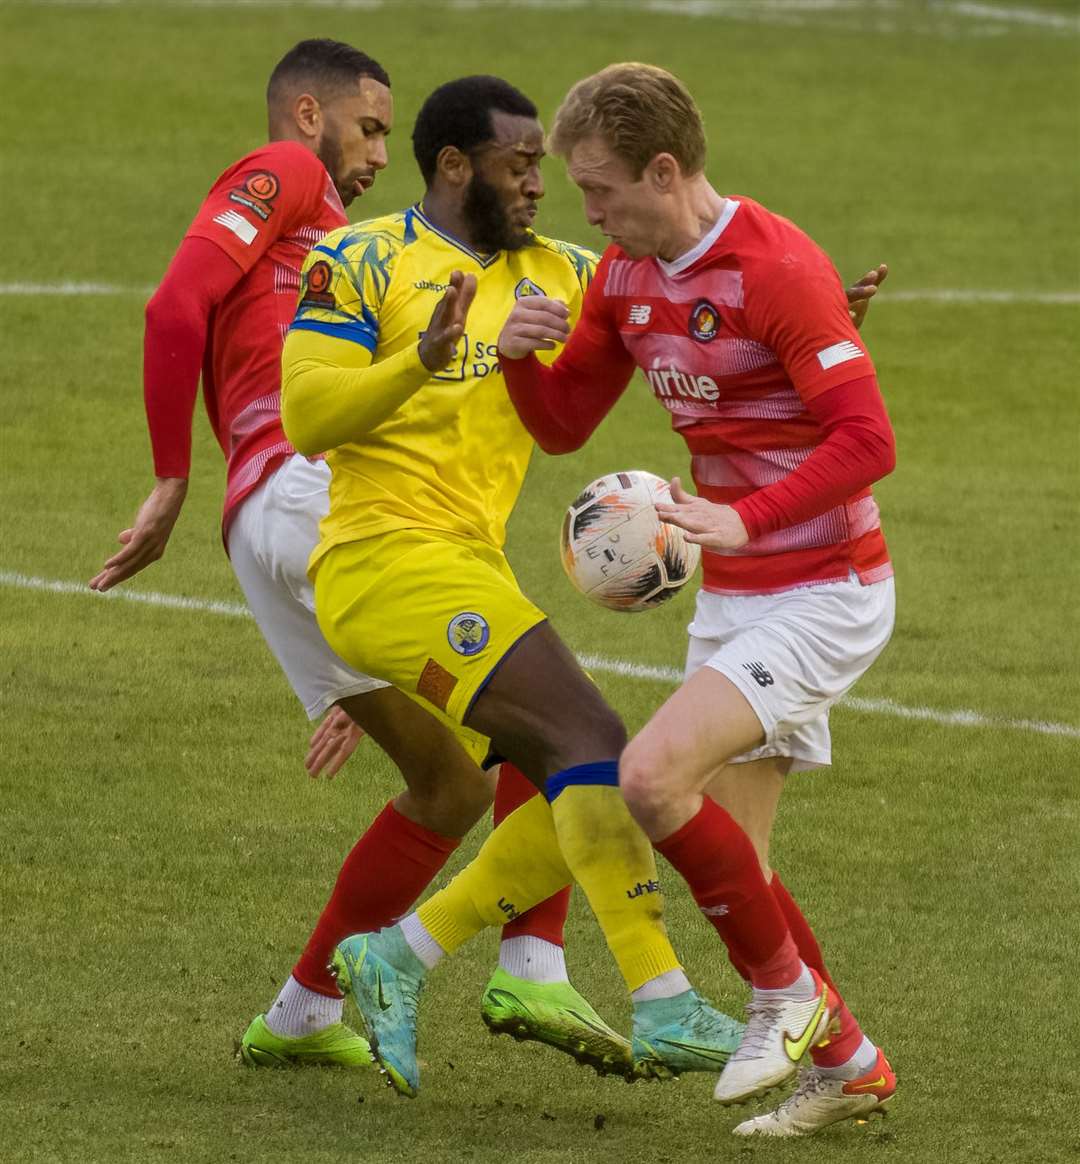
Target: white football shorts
[
  {"x": 271, "y": 537},
  {"x": 793, "y": 655}
]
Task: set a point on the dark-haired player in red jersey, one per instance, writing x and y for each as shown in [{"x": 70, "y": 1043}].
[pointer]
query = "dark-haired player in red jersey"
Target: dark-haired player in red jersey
[
  {"x": 221, "y": 312},
  {"x": 739, "y": 323}
]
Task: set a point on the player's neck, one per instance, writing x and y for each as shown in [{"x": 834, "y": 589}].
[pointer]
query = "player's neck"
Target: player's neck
[
  {"x": 697, "y": 212},
  {"x": 442, "y": 212},
  {"x": 281, "y": 129}
]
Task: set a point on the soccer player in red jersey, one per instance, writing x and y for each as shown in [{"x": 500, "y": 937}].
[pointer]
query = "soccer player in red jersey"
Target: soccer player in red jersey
[
  {"x": 222, "y": 311},
  {"x": 739, "y": 323}
]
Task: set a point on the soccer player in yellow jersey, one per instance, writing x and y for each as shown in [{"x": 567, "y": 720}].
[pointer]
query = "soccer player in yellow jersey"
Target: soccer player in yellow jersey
[{"x": 391, "y": 366}]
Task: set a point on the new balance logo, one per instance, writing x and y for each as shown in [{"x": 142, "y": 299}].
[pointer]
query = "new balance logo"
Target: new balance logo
[
  {"x": 761, "y": 677},
  {"x": 640, "y": 890},
  {"x": 640, "y": 313},
  {"x": 238, "y": 224},
  {"x": 714, "y": 910},
  {"x": 509, "y": 909}
]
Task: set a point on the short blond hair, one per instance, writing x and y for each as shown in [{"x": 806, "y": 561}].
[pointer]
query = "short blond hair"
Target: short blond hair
[{"x": 639, "y": 111}]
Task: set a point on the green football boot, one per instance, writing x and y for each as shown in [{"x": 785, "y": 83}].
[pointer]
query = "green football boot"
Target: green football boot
[
  {"x": 684, "y": 1033},
  {"x": 333, "y": 1046},
  {"x": 384, "y": 979},
  {"x": 554, "y": 1013}
]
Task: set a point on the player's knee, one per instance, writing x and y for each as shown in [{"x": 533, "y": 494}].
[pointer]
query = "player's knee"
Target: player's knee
[
  {"x": 643, "y": 781},
  {"x": 424, "y": 777}
]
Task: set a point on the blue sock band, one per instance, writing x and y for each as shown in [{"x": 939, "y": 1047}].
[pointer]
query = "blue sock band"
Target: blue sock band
[{"x": 598, "y": 772}]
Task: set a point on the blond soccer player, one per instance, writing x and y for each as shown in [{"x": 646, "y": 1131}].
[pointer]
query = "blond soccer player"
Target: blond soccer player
[{"x": 740, "y": 325}]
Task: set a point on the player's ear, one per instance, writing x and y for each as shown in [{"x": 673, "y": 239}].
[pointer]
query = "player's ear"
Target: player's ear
[
  {"x": 662, "y": 173},
  {"x": 453, "y": 167},
  {"x": 308, "y": 115}
]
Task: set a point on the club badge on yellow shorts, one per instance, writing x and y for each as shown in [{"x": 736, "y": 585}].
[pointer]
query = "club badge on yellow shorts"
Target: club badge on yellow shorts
[
  {"x": 468, "y": 633},
  {"x": 431, "y": 612}
]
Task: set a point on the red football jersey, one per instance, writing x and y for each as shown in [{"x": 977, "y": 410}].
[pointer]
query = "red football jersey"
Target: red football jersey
[
  {"x": 734, "y": 337},
  {"x": 266, "y": 212}
]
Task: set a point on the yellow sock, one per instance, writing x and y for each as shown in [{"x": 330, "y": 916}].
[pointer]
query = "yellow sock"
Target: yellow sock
[
  {"x": 518, "y": 866},
  {"x": 612, "y": 860}
]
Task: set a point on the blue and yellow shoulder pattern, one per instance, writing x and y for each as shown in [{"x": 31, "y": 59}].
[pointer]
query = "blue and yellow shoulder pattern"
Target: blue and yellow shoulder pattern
[
  {"x": 581, "y": 259},
  {"x": 345, "y": 278}
]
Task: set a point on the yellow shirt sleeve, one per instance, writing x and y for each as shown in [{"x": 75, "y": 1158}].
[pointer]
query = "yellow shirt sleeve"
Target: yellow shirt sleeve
[{"x": 332, "y": 394}]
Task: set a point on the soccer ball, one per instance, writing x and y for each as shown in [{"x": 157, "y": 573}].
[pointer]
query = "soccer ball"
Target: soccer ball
[{"x": 617, "y": 551}]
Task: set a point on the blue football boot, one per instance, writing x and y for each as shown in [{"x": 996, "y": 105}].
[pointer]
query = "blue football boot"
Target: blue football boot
[
  {"x": 384, "y": 978},
  {"x": 684, "y": 1033}
]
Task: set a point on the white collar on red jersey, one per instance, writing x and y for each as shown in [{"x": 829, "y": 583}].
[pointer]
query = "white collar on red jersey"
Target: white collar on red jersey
[{"x": 677, "y": 266}]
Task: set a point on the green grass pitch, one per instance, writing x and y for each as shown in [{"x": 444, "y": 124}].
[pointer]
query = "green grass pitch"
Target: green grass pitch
[{"x": 162, "y": 855}]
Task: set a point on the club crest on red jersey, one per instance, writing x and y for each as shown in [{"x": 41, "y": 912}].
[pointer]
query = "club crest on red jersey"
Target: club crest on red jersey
[
  {"x": 704, "y": 321},
  {"x": 258, "y": 193},
  {"x": 317, "y": 291}
]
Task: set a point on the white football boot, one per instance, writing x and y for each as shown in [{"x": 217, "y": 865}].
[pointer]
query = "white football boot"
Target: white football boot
[
  {"x": 779, "y": 1031},
  {"x": 822, "y": 1099}
]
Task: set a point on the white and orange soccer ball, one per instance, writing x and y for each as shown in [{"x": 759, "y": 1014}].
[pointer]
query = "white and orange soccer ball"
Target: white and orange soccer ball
[{"x": 615, "y": 548}]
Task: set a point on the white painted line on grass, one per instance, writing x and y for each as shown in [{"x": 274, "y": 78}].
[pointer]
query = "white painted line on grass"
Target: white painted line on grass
[
  {"x": 957, "y": 295},
  {"x": 1031, "y": 17},
  {"x": 887, "y": 16},
  {"x": 621, "y": 667},
  {"x": 33, "y": 289},
  {"x": 884, "y": 298},
  {"x": 628, "y": 670},
  {"x": 960, "y": 718},
  {"x": 148, "y": 597}
]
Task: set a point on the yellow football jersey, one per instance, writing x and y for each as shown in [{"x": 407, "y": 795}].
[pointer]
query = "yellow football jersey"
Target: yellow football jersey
[{"x": 452, "y": 456}]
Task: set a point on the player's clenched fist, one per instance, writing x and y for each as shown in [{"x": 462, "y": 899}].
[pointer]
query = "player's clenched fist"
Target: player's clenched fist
[
  {"x": 536, "y": 324},
  {"x": 438, "y": 345}
]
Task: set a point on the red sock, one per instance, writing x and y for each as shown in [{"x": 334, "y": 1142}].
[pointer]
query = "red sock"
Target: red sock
[
  {"x": 843, "y": 1044},
  {"x": 546, "y": 920},
  {"x": 719, "y": 863},
  {"x": 387, "y": 870}
]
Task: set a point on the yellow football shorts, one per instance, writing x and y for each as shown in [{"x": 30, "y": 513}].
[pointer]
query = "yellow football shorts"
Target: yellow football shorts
[{"x": 429, "y": 612}]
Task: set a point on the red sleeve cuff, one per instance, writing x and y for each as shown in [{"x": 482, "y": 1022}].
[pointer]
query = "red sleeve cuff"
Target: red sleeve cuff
[{"x": 858, "y": 450}]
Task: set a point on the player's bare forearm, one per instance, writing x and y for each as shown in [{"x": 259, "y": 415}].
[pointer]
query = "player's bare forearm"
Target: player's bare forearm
[{"x": 145, "y": 541}]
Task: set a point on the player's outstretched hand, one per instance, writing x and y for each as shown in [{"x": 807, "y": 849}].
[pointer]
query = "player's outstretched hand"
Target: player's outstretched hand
[
  {"x": 438, "y": 345},
  {"x": 145, "y": 541},
  {"x": 536, "y": 324},
  {"x": 716, "y": 527},
  {"x": 332, "y": 743},
  {"x": 859, "y": 294}
]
